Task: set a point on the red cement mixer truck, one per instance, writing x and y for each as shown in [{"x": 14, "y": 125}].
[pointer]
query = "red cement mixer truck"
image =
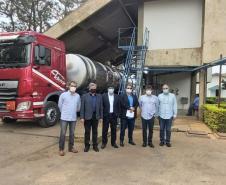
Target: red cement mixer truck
[{"x": 34, "y": 70}]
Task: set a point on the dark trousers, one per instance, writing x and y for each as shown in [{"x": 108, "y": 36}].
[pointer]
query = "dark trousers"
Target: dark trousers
[
  {"x": 111, "y": 120},
  {"x": 124, "y": 124},
  {"x": 63, "y": 126},
  {"x": 165, "y": 130},
  {"x": 147, "y": 126},
  {"x": 92, "y": 123},
  {"x": 190, "y": 110}
]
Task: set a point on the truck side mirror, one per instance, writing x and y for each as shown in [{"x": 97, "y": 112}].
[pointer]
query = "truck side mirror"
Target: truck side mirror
[
  {"x": 42, "y": 61},
  {"x": 42, "y": 52},
  {"x": 40, "y": 55},
  {"x": 36, "y": 54}
]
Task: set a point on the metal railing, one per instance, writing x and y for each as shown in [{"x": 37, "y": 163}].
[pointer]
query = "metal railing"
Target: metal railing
[
  {"x": 130, "y": 49},
  {"x": 135, "y": 58}
]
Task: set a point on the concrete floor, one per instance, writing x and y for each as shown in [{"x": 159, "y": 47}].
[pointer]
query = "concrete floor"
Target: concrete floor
[{"x": 27, "y": 158}]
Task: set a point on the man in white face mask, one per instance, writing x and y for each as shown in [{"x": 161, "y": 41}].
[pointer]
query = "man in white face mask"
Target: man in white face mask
[
  {"x": 149, "y": 110},
  {"x": 69, "y": 104},
  {"x": 167, "y": 112},
  {"x": 110, "y": 114}
]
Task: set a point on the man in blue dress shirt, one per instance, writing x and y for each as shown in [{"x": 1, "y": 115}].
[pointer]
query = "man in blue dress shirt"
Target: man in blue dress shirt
[
  {"x": 69, "y": 104},
  {"x": 167, "y": 113},
  {"x": 91, "y": 113},
  {"x": 149, "y": 110}
]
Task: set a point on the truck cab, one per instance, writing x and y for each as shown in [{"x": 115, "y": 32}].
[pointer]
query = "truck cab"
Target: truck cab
[{"x": 32, "y": 76}]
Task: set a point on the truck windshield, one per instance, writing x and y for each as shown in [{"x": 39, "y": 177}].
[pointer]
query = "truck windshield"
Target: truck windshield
[{"x": 14, "y": 55}]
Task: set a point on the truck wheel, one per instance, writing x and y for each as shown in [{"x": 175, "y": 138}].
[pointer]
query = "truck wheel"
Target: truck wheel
[
  {"x": 8, "y": 120},
  {"x": 52, "y": 115}
]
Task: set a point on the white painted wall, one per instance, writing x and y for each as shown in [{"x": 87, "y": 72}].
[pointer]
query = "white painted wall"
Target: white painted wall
[
  {"x": 214, "y": 82},
  {"x": 174, "y": 23},
  {"x": 181, "y": 81}
]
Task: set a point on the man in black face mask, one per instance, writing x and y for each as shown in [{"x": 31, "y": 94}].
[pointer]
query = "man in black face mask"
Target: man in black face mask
[{"x": 91, "y": 113}]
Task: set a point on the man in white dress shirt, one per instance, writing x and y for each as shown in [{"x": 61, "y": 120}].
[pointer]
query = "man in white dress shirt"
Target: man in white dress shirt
[{"x": 111, "y": 106}]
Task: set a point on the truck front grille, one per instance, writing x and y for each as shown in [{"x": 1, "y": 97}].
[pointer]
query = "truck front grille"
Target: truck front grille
[{"x": 6, "y": 95}]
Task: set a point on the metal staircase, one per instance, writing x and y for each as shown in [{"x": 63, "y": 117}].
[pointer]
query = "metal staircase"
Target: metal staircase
[{"x": 135, "y": 58}]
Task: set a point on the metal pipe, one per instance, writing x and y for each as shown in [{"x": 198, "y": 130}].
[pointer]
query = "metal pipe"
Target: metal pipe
[
  {"x": 219, "y": 91},
  {"x": 126, "y": 12}
]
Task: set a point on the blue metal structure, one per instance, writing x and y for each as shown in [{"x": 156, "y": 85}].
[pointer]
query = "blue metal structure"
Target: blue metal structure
[
  {"x": 135, "y": 58},
  {"x": 160, "y": 70}
]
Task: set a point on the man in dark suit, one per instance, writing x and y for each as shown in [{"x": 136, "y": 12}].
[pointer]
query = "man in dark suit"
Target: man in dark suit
[
  {"x": 111, "y": 107},
  {"x": 128, "y": 107},
  {"x": 91, "y": 113}
]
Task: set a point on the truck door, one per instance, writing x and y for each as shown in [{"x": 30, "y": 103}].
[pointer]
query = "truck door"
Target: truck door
[{"x": 44, "y": 81}]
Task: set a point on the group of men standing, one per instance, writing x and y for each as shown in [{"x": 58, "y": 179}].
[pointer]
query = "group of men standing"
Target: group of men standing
[{"x": 107, "y": 108}]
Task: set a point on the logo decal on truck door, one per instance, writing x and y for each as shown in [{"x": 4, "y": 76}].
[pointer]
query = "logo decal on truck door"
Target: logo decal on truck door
[
  {"x": 47, "y": 79},
  {"x": 57, "y": 76}
]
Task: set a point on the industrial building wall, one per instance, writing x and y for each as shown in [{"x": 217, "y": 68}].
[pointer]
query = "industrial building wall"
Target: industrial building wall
[
  {"x": 174, "y": 24},
  {"x": 214, "y": 43},
  {"x": 175, "y": 31}
]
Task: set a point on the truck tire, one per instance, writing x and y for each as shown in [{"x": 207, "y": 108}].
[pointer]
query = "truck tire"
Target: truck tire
[
  {"x": 52, "y": 115},
  {"x": 8, "y": 120}
]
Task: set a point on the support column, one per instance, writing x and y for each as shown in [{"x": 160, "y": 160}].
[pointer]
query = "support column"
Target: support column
[
  {"x": 140, "y": 23},
  {"x": 193, "y": 87},
  {"x": 149, "y": 79},
  {"x": 202, "y": 91}
]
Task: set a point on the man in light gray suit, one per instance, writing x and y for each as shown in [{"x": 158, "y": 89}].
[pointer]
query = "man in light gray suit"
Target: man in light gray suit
[{"x": 91, "y": 113}]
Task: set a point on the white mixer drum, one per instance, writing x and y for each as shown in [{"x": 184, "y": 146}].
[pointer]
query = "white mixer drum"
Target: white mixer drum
[
  {"x": 83, "y": 71},
  {"x": 76, "y": 69}
]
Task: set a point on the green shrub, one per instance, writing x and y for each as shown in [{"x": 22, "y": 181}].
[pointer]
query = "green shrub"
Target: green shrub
[
  {"x": 215, "y": 117},
  {"x": 222, "y": 105},
  {"x": 213, "y": 100}
]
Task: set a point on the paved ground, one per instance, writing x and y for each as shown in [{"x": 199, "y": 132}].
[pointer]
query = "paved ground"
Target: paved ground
[{"x": 28, "y": 156}]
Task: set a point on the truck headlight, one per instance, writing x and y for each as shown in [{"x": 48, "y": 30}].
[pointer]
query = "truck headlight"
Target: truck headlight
[{"x": 23, "y": 106}]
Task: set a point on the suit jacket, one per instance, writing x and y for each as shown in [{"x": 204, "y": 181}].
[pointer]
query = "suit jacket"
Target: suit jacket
[
  {"x": 86, "y": 111},
  {"x": 106, "y": 105},
  {"x": 124, "y": 105}
]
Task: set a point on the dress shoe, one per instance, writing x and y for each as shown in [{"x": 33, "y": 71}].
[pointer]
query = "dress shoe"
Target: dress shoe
[
  {"x": 151, "y": 145},
  {"x": 61, "y": 153},
  {"x": 121, "y": 144},
  {"x": 168, "y": 145},
  {"x": 103, "y": 146},
  {"x": 144, "y": 145},
  {"x": 161, "y": 144},
  {"x": 132, "y": 143},
  {"x": 86, "y": 149},
  {"x": 114, "y": 146},
  {"x": 73, "y": 150},
  {"x": 96, "y": 149}
]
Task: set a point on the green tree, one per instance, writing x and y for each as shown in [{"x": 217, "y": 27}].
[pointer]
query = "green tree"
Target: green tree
[
  {"x": 68, "y": 5},
  {"x": 36, "y": 15}
]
